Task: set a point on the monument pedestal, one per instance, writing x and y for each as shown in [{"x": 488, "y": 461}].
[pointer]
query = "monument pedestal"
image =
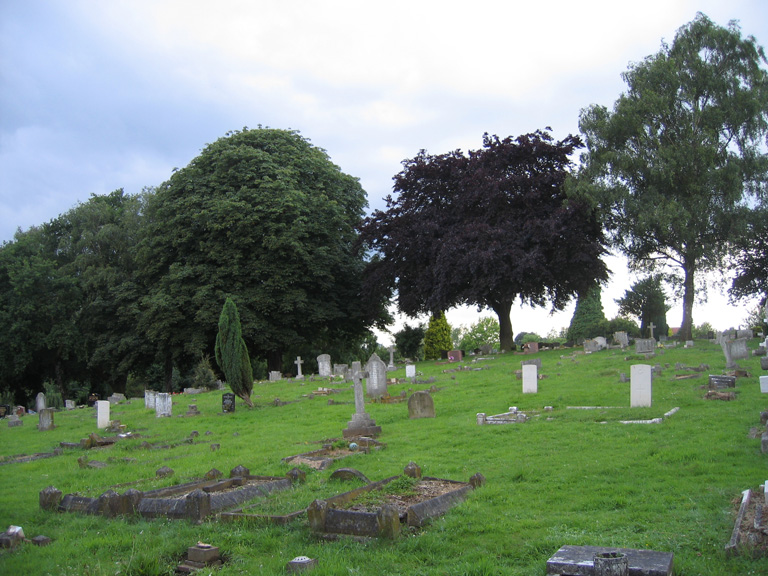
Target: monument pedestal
[{"x": 361, "y": 425}]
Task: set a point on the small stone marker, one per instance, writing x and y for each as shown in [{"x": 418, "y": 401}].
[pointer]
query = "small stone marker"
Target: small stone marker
[
  {"x": 45, "y": 419},
  {"x": 645, "y": 345},
  {"x": 164, "y": 405},
  {"x": 410, "y": 371},
  {"x": 324, "y": 365},
  {"x": 69, "y": 404},
  {"x": 300, "y": 564},
  {"x": 102, "y": 414},
  {"x": 376, "y": 383},
  {"x": 530, "y": 379},
  {"x": 640, "y": 386},
  {"x": 228, "y": 402},
  {"x": 298, "y": 363},
  {"x": 421, "y": 405},
  {"x": 580, "y": 560},
  {"x": 275, "y": 376},
  {"x": 764, "y": 384},
  {"x": 40, "y": 402},
  {"x": 14, "y": 420},
  {"x": 192, "y": 410}
]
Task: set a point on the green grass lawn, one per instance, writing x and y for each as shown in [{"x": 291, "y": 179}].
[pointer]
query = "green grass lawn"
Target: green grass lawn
[{"x": 568, "y": 476}]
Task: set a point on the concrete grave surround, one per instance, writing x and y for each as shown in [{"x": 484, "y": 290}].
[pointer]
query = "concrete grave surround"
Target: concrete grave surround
[
  {"x": 376, "y": 383},
  {"x": 530, "y": 379},
  {"x": 421, "y": 405},
  {"x": 164, "y": 405},
  {"x": 410, "y": 371},
  {"x": 640, "y": 386},
  {"x": 579, "y": 561},
  {"x": 324, "y": 365},
  {"x": 102, "y": 414}
]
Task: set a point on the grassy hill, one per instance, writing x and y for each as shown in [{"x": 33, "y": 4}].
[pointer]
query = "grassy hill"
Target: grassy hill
[{"x": 566, "y": 476}]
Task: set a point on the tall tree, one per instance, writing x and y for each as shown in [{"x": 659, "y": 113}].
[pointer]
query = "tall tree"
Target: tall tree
[
  {"x": 263, "y": 216},
  {"x": 588, "y": 317},
  {"x": 232, "y": 353},
  {"x": 647, "y": 301},
  {"x": 680, "y": 153},
  {"x": 437, "y": 337},
  {"x": 751, "y": 258},
  {"x": 484, "y": 229}
]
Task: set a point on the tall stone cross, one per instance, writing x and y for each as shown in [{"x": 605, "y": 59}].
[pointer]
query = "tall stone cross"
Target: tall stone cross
[
  {"x": 391, "y": 358},
  {"x": 298, "y": 363},
  {"x": 651, "y": 326}
]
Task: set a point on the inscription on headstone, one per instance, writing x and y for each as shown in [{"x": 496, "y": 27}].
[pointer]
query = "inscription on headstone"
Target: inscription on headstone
[
  {"x": 645, "y": 345},
  {"x": 718, "y": 382},
  {"x": 227, "y": 402}
]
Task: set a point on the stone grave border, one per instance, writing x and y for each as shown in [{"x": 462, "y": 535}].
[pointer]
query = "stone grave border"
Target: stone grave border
[
  {"x": 324, "y": 457},
  {"x": 753, "y": 526},
  {"x": 328, "y": 521},
  {"x": 195, "y": 500},
  {"x": 651, "y": 421},
  {"x": 579, "y": 561},
  {"x": 513, "y": 416}
]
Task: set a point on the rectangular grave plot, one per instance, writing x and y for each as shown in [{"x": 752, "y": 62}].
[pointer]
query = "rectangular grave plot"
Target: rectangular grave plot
[
  {"x": 578, "y": 561},
  {"x": 324, "y": 457}
]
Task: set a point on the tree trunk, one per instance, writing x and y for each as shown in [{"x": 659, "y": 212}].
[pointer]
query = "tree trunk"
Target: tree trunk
[
  {"x": 275, "y": 361},
  {"x": 168, "y": 372},
  {"x": 506, "y": 340},
  {"x": 689, "y": 294}
]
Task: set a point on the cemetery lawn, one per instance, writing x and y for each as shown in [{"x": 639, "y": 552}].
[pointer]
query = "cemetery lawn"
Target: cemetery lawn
[{"x": 569, "y": 476}]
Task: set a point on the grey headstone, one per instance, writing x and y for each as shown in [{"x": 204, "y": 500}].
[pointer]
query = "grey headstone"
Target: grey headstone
[
  {"x": 324, "y": 365},
  {"x": 164, "y": 405},
  {"x": 275, "y": 376},
  {"x": 421, "y": 405},
  {"x": 645, "y": 345},
  {"x": 45, "y": 419},
  {"x": 621, "y": 339},
  {"x": 40, "y": 402},
  {"x": 376, "y": 383},
  {"x": 591, "y": 345},
  {"x": 531, "y": 362},
  {"x": 734, "y": 350},
  {"x": 150, "y": 398},
  {"x": 69, "y": 404}
]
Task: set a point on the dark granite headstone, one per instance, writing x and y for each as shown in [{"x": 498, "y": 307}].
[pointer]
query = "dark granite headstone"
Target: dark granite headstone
[
  {"x": 228, "y": 402},
  {"x": 717, "y": 382}
]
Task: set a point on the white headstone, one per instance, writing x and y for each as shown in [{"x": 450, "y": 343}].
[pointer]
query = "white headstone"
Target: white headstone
[
  {"x": 640, "y": 386},
  {"x": 163, "y": 405},
  {"x": 324, "y": 365},
  {"x": 298, "y": 363},
  {"x": 69, "y": 404},
  {"x": 275, "y": 375},
  {"x": 40, "y": 402},
  {"x": 376, "y": 383},
  {"x": 530, "y": 379},
  {"x": 102, "y": 414},
  {"x": 410, "y": 371},
  {"x": 150, "y": 397},
  {"x": 764, "y": 384}
]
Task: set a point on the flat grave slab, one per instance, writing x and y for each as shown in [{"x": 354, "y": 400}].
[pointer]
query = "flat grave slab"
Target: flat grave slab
[{"x": 578, "y": 561}]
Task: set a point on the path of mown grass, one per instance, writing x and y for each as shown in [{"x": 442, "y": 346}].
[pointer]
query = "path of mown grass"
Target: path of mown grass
[{"x": 565, "y": 477}]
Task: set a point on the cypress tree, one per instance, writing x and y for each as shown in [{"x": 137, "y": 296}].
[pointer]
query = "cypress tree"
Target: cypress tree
[
  {"x": 588, "y": 318},
  {"x": 232, "y": 354},
  {"x": 437, "y": 337}
]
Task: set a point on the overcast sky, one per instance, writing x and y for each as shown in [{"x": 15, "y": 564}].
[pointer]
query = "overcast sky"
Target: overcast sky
[{"x": 99, "y": 95}]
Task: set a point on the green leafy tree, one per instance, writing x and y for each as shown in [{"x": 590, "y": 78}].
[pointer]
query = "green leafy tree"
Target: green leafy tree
[
  {"x": 483, "y": 332},
  {"x": 623, "y": 324},
  {"x": 588, "y": 318},
  {"x": 647, "y": 301},
  {"x": 232, "y": 353},
  {"x": 409, "y": 341},
  {"x": 750, "y": 261},
  {"x": 437, "y": 338},
  {"x": 676, "y": 161}
]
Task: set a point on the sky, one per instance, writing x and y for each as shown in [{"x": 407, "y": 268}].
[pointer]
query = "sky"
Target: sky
[{"x": 96, "y": 96}]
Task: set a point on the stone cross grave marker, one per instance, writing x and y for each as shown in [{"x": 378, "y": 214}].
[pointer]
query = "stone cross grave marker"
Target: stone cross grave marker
[
  {"x": 228, "y": 402},
  {"x": 324, "y": 365},
  {"x": 102, "y": 414},
  {"x": 45, "y": 419},
  {"x": 640, "y": 386},
  {"x": 361, "y": 424},
  {"x": 421, "y": 405},
  {"x": 298, "y": 363},
  {"x": 651, "y": 326},
  {"x": 530, "y": 379},
  {"x": 376, "y": 383},
  {"x": 40, "y": 402},
  {"x": 164, "y": 405},
  {"x": 391, "y": 365}
]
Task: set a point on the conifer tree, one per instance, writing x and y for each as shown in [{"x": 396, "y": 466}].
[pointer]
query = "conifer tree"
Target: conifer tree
[
  {"x": 588, "y": 319},
  {"x": 437, "y": 337},
  {"x": 232, "y": 354}
]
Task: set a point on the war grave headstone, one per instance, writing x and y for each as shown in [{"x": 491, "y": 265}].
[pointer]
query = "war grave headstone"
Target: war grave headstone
[
  {"x": 361, "y": 424},
  {"x": 164, "y": 405},
  {"x": 645, "y": 345},
  {"x": 421, "y": 405},
  {"x": 376, "y": 383},
  {"x": 102, "y": 414},
  {"x": 228, "y": 402},
  {"x": 640, "y": 386},
  {"x": 764, "y": 384},
  {"x": 324, "y": 365},
  {"x": 150, "y": 398},
  {"x": 45, "y": 419},
  {"x": 530, "y": 379},
  {"x": 410, "y": 371},
  {"x": 298, "y": 363},
  {"x": 40, "y": 402}
]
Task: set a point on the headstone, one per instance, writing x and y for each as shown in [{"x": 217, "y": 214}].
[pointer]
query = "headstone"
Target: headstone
[
  {"x": 764, "y": 362},
  {"x": 102, "y": 414},
  {"x": 530, "y": 379},
  {"x": 275, "y": 375},
  {"x": 421, "y": 405},
  {"x": 531, "y": 361},
  {"x": 116, "y": 398},
  {"x": 734, "y": 350},
  {"x": 645, "y": 345},
  {"x": 621, "y": 338},
  {"x": 69, "y": 404},
  {"x": 228, "y": 402},
  {"x": 298, "y": 363},
  {"x": 150, "y": 398},
  {"x": 391, "y": 365},
  {"x": 14, "y": 420},
  {"x": 689, "y": 343},
  {"x": 455, "y": 355},
  {"x": 591, "y": 345},
  {"x": 40, "y": 402},
  {"x": 531, "y": 347},
  {"x": 376, "y": 383},
  {"x": 164, "y": 405},
  {"x": 192, "y": 410},
  {"x": 486, "y": 349},
  {"x": 746, "y": 334},
  {"x": 361, "y": 424},
  {"x": 340, "y": 369},
  {"x": 717, "y": 382},
  {"x": 357, "y": 367},
  {"x": 410, "y": 371},
  {"x": 324, "y": 365},
  {"x": 601, "y": 341},
  {"x": 45, "y": 419},
  {"x": 640, "y": 386},
  {"x": 764, "y": 384}
]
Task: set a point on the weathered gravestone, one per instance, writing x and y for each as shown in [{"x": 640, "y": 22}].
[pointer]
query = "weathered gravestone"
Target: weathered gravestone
[
  {"x": 164, "y": 405},
  {"x": 718, "y": 382},
  {"x": 376, "y": 383},
  {"x": 421, "y": 405},
  {"x": 357, "y": 367},
  {"x": 40, "y": 402},
  {"x": 764, "y": 362},
  {"x": 69, "y": 404},
  {"x": 640, "y": 386},
  {"x": 591, "y": 345},
  {"x": 531, "y": 362},
  {"x": 275, "y": 376},
  {"x": 102, "y": 414},
  {"x": 746, "y": 334},
  {"x": 361, "y": 424},
  {"x": 764, "y": 384},
  {"x": 14, "y": 420},
  {"x": 340, "y": 369},
  {"x": 621, "y": 338},
  {"x": 150, "y": 398},
  {"x": 734, "y": 350},
  {"x": 228, "y": 402},
  {"x": 116, "y": 398},
  {"x": 486, "y": 349},
  {"x": 530, "y": 379},
  {"x": 645, "y": 345},
  {"x": 45, "y": 419},
  {"x": 324, "y": 365}
]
